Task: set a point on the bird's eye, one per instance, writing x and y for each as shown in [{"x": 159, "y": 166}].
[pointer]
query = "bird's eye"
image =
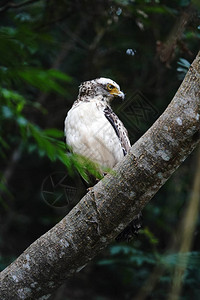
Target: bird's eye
[{"x": 110, "y": 87}]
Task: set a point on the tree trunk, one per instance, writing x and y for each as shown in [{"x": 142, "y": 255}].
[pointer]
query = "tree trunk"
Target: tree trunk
[{"x": 108, "y": 208}]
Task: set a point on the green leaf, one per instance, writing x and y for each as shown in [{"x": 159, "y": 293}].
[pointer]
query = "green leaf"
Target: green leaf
[
  {"x": 59, "y": 75},
  {"x": 53, "y": 132},
  {"x": 152, "y": 239},
  {"x": 43, "y": 143},
  {"x": 45, "y": 80}
]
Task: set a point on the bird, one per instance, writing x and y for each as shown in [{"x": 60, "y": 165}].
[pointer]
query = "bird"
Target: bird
[{"x": 93, "y": 130}]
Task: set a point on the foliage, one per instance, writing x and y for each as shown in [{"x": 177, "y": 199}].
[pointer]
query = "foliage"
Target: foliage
[
  {"x": 131, "y": 261},
  {"x": 31, "y": 136},
  {"x": 126, "y": 255},
  {"x": 183, "y": 67}
]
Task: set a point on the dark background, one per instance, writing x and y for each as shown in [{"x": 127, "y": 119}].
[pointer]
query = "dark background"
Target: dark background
[{"x": 47, "y": 48}]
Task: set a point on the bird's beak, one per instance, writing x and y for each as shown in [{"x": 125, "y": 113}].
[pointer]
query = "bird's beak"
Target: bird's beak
[
  {"x": 121, "y": 95},
  {"x": 117, "y": 93}
]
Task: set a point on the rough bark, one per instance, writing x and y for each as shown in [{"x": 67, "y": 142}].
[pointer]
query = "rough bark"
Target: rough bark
[{"x": 107, "y": 209}]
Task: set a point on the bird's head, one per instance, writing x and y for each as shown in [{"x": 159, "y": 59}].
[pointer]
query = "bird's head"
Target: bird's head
[{"x": 104, "y": 89}]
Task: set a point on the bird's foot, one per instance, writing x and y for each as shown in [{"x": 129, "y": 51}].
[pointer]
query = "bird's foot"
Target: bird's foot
[
  {"x": 131, "y": 230},
  {"x": 90, "y": 189}
]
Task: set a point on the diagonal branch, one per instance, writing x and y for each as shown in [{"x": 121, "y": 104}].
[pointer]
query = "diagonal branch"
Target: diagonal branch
[
  {"x": 166, "y": 50},
  {"x": 11, "y": 5},
  {"x": 107, "y": 209}
]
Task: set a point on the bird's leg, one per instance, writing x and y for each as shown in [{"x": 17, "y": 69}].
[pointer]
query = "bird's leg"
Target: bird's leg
[
  {"x": 95, "y": 180},
  {"x": 91, "y": 187}
]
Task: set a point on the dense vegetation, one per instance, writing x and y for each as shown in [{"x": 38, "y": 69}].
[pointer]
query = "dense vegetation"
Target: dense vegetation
[{"x": 47, "y": 48}]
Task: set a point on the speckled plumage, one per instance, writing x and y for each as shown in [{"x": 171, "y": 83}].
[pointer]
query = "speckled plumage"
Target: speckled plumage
[{"x": 92, "y": 129}]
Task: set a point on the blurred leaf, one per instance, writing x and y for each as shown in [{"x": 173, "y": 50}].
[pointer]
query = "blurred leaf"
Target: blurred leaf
[
  {"x": 22, "y": 121},
  {"x": 152, "y": 239},
  {"x": 57, "y": 150},
  {"x": 43, "y": 142},
  {"x": 184, "y": 63},
  {"x": 191, "y": 259},
  {"x": 183, "y": 69},
  {"x": 53, "y": 132},
  {"x": 185, "y": 2},
  {"x": 45, "y": 80},
  {"x": 130, "y": 255},
  {"x": 6, "y": 112}
]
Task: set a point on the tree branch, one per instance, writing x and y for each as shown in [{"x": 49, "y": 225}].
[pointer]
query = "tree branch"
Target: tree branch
[
  {"x": 107, "y": 209},
  {"x": 166, "y": 50},
  {"x": 11, "y": 5}
]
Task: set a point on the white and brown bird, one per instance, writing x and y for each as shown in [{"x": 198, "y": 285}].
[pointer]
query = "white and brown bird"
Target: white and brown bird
[{"x": 93, "y": 130}]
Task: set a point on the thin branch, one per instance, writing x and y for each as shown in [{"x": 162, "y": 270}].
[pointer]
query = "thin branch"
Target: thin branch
[
  {"x": 166, "y": 50},
  {"x": 11, "y": 5}
]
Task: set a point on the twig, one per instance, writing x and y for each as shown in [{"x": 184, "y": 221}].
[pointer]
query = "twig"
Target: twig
[
  {"x": 166, "y": 50},
  {"x": 11, "y": 5}
]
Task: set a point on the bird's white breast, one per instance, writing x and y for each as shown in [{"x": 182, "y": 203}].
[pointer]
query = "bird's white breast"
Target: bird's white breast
[{"x": 90, "y": 134}]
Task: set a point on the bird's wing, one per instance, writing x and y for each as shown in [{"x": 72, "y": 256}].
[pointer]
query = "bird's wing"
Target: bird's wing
[{"x": 119, "y": 128}]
